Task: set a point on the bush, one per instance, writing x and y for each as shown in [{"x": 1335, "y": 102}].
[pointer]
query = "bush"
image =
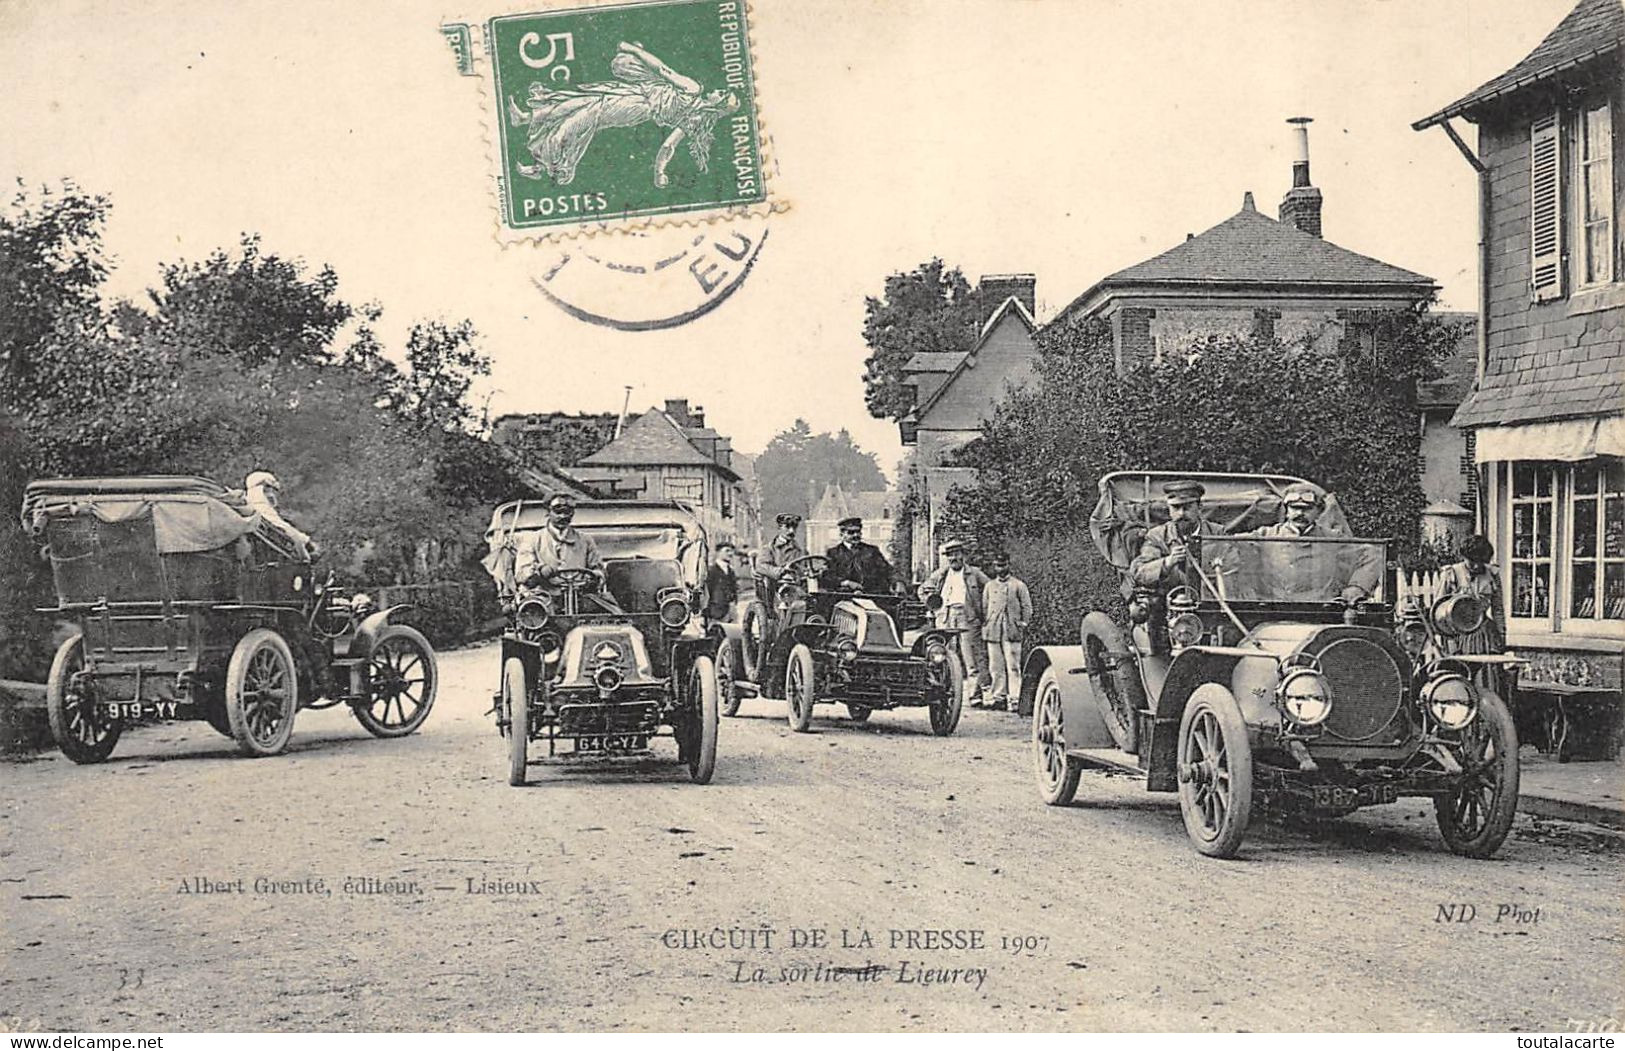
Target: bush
[
  {"x": 443, "y": 611},
  {"x": 1067, "y": 578}
]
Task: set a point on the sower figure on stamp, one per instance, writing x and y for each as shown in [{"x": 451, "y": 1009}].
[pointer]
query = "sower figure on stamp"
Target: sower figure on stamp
[
  {"x": 854, "y": 565},
  {"x": 561, "y": 122},
  {"x": 960, "y": 587},
  {"x": 1009, "y": 611}
]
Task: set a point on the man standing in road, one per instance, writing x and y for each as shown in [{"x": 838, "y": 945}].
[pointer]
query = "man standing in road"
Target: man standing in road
[
  {"x": 1009, "y": 611},
  {"x": 854, "y": 565},
  {"x": 721, "y": 586},
  {"x": 960, "y": 587}
]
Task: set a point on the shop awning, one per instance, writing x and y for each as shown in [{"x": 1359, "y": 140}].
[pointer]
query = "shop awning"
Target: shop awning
[{"x": 1566, "y": 441}]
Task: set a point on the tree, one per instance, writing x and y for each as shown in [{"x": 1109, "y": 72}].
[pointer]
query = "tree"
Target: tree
[
  {"x": 929, "y": 308},
  {"x": 797, "y": 464}
]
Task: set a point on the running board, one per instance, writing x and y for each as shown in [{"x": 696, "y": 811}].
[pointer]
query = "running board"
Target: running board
[{"x": 1109, "y": 759}]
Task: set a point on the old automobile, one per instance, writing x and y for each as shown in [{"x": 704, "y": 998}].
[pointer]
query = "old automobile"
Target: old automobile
[
  {"x": 189, "y": 606},
  {"x": 606, "y": 665},
  {"x": 814, "y": 645},
  {"x": 1267, "y": 683}
]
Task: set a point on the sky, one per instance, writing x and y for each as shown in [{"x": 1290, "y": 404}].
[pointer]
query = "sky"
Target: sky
[{"x": 1066, "y": 138}]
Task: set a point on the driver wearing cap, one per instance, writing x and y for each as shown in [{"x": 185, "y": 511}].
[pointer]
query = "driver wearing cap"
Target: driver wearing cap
[
  {"x": 263, "y": 495},
  {"x": 559, "y": 545},
  {"x": 784, "y": 549},
  {"x": 1171, "y": 550}
]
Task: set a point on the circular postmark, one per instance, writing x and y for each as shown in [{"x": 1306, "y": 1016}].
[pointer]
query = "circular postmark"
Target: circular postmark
[{"x": 652, "y": 278}]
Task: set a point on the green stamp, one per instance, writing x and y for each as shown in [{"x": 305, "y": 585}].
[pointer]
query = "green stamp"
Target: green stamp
[{"x": 609, "y": 113}]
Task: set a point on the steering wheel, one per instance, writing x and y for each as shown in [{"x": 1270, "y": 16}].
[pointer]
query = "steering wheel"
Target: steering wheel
[
  {"x": 574, "y": 579},
  {"x": 804, "y": 568}
]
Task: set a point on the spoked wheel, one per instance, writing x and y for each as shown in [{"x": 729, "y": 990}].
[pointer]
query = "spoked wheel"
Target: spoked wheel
[
  {"x": 702, "y": 728},
  {"x": 858, "y": 713},
  {"x": 800, "y": 688},
  {"x": 262, "y": 693},
  {"x": 1057, "y": 773},
  {"x": 1476, "y": 818},
  {"x": 83, "y": 733},
  {"x": 404, "y": 680},
  {"x": 1115, "y": 680},
  {"x": 753, "y": 640},
  {"x": 728, "y": 676},
  {"x": 516, "y": 707},
  {"x": 946, "y": 708},
  {"x": 1215, "y": 772}
]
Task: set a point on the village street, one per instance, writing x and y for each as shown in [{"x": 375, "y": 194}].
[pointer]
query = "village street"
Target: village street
[{"x": 856, "y": 877}]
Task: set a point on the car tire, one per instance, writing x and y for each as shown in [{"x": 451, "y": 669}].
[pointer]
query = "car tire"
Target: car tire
[
  {"x": 753, "y": 640},
  {"x": 702, "y": 750},
  {"x": 946, "y": 710},
  {"x": 1476, "y": 818},
  {"x": 76, "y": 722},
  {"x": 262, "y": 693},
  {"x": 403, "y": 671},
  {"x": 1113, "y": 679},
  {"x": 858, "y": 713},
  {"x": 516, "y": 706},
  {"x": 800, "y": 688},
  {"x": 1056, "y": 772},
  {"x": 1215, "y": 770},
  {"x": 728, "y": 672}
]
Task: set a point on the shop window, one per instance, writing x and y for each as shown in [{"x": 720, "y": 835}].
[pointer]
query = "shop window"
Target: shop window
[
  {"x": 1534, "y": 516},
  {"x": 1597, "y": 590}
]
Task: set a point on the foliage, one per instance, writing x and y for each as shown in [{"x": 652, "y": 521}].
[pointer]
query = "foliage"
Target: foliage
[
  {"x": 797, "y": 464},
  {"x": 561, "y": 442},
  {"x": 245, "y": 361},
  {"x": 1346, "y": 420},
  {"x": 930, "y": 308},
  {"x": 910, "y": 505}
]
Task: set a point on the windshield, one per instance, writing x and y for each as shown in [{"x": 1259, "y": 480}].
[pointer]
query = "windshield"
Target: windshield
[{"x": 1290, "y": 569}]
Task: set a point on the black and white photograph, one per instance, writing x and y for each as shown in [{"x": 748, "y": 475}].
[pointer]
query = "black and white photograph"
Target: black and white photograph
[{"x": 812, "y": 516}]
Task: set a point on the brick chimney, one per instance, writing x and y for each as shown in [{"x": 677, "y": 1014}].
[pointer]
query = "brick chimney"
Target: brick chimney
[
  {"x": 677, "y": 409},
  {"x": 999, "y": 287},
  {"x": 1301, "y": 205}
]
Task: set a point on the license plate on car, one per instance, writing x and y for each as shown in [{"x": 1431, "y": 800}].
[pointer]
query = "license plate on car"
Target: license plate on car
[
  {"x": 1332, "y": 796},
  {"x": 130, "y": 710},
  {"x": 612, "y": 743}
]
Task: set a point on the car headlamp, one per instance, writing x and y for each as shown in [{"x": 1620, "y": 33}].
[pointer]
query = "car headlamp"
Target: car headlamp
[
  {"x": 847, "y": 651},
  {"x": 532, "y": 615},
  {"x": 936, "y": 653},
  {"x": 1412, "y": 636},
  {"x": 1305, "y": 696},
  {"x": 1185, "y": 630},
  {"x": 608, "y": 678},
  {"x": 674, "y": 611},
  {"x": 1451, "y": 700},
  {"x": 362, "y": 604},
  {"x": 1459, "y": 614}
]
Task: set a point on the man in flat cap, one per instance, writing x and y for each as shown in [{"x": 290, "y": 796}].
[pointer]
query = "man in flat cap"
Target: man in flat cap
[
  {"x": 960, "y": 588},
  {"x": 558, "y": 545},
  {"x": 1169, "y": 551},
  {"x": 1313, "y": 571},
  {"x": 854, "y": 565},
  {"x": 781, "y": 551}
]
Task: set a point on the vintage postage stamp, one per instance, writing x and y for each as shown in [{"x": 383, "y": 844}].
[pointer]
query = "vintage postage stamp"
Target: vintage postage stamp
[{"x": 623, "y": 116}]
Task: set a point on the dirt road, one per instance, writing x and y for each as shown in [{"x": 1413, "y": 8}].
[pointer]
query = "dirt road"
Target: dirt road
[{"x": 364, "y": 884}]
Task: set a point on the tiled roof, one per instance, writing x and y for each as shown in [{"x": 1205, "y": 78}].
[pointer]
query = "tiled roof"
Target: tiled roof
[
  {"x": 1011, "y": 305},
  {"x": 1592, "y": 29},
  {"x": 1553, "y": 383},
  {"x": 1458, "y": 369},
  {"x": 935, "y": 361},
  {"x": 1250, "y": 249},
  {"x": 650, "y": 440}
]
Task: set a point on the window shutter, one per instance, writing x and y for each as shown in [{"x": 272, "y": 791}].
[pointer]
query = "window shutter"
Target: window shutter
[{"x": 1545, "y": 209}]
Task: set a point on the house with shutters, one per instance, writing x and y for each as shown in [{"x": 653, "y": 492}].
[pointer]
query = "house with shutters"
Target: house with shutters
[
  {"x": 955, "y": 391},
  {"x": 1547, "y": 408},
  {"x": 670, "y": 454}
]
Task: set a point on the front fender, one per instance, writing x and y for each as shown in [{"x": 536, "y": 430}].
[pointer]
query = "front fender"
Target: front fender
[
  {"x": 1190, "y": 669},
  {"x": 1080, "y": 714},
  {"x": 366, "y": 633}
]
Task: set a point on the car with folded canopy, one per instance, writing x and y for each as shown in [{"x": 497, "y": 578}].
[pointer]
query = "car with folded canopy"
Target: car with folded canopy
[
  {"x": 600, "y": 667},
  {"x": 188, "y": 605},
  {"x": 1265, "y": 684}
]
